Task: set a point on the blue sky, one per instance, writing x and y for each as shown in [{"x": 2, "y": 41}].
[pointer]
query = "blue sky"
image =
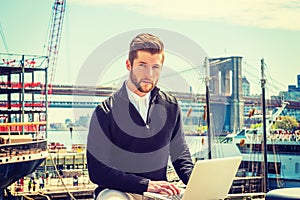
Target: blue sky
[{"x": 253, "y": 29}]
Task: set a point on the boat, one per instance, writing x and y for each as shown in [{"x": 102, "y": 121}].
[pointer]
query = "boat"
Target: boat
[
  {"x": 23, "y": 117},
  {"x": 20, "y": 155},
  {"x": 282, "y": 151}
]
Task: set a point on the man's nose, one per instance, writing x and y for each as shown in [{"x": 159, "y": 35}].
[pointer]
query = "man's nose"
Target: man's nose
[{"x": 148, "y": 72}]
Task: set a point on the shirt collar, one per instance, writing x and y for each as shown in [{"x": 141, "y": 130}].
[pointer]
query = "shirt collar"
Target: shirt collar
[{"x": 134, "y": 97}]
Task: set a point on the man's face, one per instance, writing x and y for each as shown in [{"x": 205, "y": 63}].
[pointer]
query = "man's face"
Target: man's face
[{"x": 145, "y": 71}]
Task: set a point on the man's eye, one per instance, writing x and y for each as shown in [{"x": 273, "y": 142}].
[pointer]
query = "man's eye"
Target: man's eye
[{"x": 142, "y": 65}]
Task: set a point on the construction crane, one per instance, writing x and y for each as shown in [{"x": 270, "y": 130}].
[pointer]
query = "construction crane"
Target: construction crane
[{"x": 57, "y": 18}]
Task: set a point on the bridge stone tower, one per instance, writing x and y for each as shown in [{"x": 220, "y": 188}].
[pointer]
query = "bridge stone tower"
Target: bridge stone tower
[{"x": 226, "y": 88}]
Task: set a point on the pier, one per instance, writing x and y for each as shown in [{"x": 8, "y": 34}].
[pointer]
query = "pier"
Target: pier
[
  {"x": 55, "y": 188},
  {"x": 65, "y": 177},
  {"x": 65, "y": 161}
]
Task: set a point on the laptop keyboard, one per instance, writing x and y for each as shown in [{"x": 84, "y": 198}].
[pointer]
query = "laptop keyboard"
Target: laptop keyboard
[{"x": 174, "y": 197}]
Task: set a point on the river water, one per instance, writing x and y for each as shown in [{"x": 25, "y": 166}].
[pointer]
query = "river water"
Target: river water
[{"x": 66, "y": 138}]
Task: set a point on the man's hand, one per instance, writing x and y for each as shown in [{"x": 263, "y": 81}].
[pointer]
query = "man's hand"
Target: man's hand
[{"x": 163, "y": 187}]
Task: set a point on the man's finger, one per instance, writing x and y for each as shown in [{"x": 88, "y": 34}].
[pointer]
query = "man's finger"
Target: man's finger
[
  {"x": 166, "y": 191},
  {"x": 175, "y": 189}
]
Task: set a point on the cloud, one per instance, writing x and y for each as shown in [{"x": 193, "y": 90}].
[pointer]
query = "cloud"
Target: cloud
[{"x": 278, "y": 14}]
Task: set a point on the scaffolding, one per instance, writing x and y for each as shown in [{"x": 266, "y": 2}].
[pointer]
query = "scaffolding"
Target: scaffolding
[{"x": 24, "y": 93}]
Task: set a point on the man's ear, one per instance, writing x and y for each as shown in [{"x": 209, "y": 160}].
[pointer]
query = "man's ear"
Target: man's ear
[{"x": 128, "y": 65}]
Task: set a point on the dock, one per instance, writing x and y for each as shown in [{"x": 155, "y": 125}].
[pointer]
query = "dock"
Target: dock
[
  {"x": 55, "y": 188},
  {"x": 63, "y": 167}
]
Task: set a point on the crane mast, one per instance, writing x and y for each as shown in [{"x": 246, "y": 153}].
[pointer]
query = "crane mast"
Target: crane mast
[{"x": 58, "y": 12}]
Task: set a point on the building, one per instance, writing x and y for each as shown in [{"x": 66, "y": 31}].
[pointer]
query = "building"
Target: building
[
  {"x": 245, "y": 87},
  {"x": 293, "y": 94}
]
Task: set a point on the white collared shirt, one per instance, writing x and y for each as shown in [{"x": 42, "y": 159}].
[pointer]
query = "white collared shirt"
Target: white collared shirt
[{"x": 140, "y": 103}]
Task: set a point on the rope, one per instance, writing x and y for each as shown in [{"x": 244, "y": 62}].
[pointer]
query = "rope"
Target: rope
[
  {"x": 61, "y": 179},
  {"x": 26, "y": 197},
  {"x": 43, "y": 195},
  {"x": 275, "y": 164}
]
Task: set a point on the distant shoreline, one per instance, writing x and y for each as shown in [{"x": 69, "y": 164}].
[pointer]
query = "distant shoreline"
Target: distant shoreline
[{"x": 80, "y": 128}]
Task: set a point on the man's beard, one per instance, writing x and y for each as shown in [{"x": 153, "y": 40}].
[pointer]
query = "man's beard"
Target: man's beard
[{"x": 138, "y": 85}]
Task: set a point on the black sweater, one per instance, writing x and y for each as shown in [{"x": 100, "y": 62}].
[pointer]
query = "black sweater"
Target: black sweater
[{"x": 124, "y": 152}]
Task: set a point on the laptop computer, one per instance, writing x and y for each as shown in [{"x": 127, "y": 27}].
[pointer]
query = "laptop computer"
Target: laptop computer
[{"x": 210, "y": 180}]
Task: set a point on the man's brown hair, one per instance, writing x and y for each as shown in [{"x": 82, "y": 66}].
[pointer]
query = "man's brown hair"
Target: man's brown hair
[{"x": 145, "y": 42}]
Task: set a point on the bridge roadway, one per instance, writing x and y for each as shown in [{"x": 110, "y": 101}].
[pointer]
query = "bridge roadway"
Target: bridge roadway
[
  {"x": 90, "y": 104},
  {"x": 106, "y": 91},
  {"x": 92, "y": 91}
]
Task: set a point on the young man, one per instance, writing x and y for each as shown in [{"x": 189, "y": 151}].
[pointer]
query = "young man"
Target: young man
[{"x": 133, "y": 133}]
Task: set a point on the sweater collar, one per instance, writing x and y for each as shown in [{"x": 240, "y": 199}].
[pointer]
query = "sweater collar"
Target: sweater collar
[{"x": 122, "y": 92}]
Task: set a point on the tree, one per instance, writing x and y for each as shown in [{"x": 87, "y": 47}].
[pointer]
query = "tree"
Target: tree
[
  {"x": 255, "y": 126},
  {"x": 68, "y": 121},
  {"x": 286, "y": 123}
]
